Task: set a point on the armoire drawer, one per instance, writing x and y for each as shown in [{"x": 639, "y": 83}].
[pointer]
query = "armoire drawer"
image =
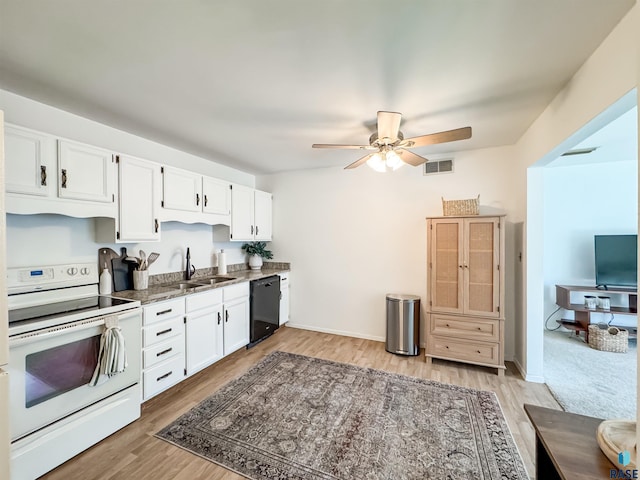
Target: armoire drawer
[
  {"x": 486, "y": 330},
  {"x": 463, "y": 350}
]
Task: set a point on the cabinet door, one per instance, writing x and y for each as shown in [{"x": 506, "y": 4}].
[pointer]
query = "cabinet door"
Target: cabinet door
[
  {"x": 203, "y": 339},
  {"x": 242, "y": 226},
  {"x": 181, "y": 190},
  {"x": 262, "y": 214},
  {"x": 29, "y": 161},
  {"x": 85, "y": 172},
  {"x": 216, "y": 196},
  {"x": 446, "y": 265},
  {"x": 139, "y": 200},
  {"x": 236, "y": 325},
  {"x": 482, "y": 257}
]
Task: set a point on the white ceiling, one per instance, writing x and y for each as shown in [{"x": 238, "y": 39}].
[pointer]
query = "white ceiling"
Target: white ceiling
[
  {"x": 253, "y": 83},
  {"x": 615, "y": 142}
]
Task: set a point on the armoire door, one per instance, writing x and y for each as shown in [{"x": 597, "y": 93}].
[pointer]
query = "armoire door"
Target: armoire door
[
  {"x": 481, "y": 291},
  {"x": 446, "y": 268}
]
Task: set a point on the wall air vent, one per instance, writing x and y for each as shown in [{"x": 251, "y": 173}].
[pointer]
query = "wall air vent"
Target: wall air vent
[
  {"x": 578, "y": 151},
  {"x": 433, "y": 167}
]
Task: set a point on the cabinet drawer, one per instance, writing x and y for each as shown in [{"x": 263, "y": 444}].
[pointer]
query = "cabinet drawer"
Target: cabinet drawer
[
  {"x": 159, "y": 332},
  {"x": 463, "y": 350},
  {"x": 464, "y": 327},
  {"x": 235, "y": 291},
  {"x": 162, "y": 376},
  {"x": 204, "y": 300},
  {"x": 158, "y": 312},
  {"x": 163, "y": 351}
]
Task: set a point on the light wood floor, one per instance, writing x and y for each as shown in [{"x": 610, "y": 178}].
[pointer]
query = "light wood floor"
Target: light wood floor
[{"x": 134, "y": 453}]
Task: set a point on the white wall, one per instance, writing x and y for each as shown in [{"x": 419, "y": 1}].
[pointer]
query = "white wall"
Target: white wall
[
  {"x": 354, "y": 236},
  {"x": 579, "y": 202},
  {"x": 607, "y": 78},
  {"x": 32, "y": 239}
]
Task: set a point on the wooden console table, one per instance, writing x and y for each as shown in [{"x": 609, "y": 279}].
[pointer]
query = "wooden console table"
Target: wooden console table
[
  {"x": 583, "y": 314},
  {"x": 566, "y": 446}
]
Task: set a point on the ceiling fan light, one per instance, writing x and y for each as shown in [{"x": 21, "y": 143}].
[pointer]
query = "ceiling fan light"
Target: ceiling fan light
[
  {"x": 394, "y": 161},
  {"x": 377, "y": 163}
]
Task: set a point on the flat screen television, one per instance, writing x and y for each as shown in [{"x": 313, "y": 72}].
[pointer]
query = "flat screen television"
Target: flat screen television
[{"x": 616, "y": 260}]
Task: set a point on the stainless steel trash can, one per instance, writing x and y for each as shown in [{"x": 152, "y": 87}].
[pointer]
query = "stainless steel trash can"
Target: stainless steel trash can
[{"x": 403, "y": 324}]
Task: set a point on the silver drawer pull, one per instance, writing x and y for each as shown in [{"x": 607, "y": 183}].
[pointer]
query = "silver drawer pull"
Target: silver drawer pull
[
  {"x": 168, "y": 330},
  {"x": 164, "y": 311},
  {"x": 162, "y": 377},
  {"x": 164, "y": 352}
]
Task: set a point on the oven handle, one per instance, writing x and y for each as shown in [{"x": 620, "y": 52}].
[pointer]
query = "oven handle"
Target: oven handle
[{"x": 57, "y": 330}]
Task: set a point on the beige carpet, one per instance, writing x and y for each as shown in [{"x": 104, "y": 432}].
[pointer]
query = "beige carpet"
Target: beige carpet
[
  {"x": 297, "y": 417},
  {"x": 588, "y": 381}
]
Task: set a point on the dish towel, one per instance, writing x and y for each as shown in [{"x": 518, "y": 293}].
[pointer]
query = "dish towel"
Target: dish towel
[{"x": 112, "y": 357}]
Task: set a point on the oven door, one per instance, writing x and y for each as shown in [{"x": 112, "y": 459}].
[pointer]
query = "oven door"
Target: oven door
[{"x": 50, "y": 370}]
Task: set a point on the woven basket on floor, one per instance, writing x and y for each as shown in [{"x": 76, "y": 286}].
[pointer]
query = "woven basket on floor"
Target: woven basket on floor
[
  {"x": 611, "y": 339},
  {"x": 470, "y": 206}
]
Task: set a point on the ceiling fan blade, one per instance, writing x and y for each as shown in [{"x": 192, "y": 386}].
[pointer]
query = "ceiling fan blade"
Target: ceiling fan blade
[
  {"x": 440, "y": 137},
  {"x": 389, "y": 125},
  {"x": 332, "y": 145},
  {"x": 359, "y": 162},
  {"x": 411, "y": 158}
]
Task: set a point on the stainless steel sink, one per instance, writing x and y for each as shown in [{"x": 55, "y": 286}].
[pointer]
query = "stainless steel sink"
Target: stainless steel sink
[
  {"x": 186, "y": 285},
  {"x": 215, "y": 280}
]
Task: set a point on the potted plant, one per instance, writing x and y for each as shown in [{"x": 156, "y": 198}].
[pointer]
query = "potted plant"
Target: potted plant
[{"x": 257, "y": 251}]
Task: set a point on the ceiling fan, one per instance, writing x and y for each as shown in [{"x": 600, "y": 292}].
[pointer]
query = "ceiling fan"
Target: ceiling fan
[{"x": 390, "y": 146}]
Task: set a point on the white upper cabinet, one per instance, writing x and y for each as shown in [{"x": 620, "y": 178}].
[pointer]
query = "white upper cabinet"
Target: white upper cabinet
[
  {"x": 30, "y": 161},
  {"x": 85, "y": 172},
  {"x": 242, "y": 213},
  {"x": 250, "y": 214},
  {"x": 193, "y": 198},
  {"x": 69, "y": 178},
  {"x": 181, "y": 190},
  {"x": 262, "y": 215},
  {"x": 140, "y": 196},
  {"x": 216, "y": 196}
]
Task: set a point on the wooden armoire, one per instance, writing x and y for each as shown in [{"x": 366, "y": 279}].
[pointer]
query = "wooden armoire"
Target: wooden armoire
[{"x": 465, "y": 290}]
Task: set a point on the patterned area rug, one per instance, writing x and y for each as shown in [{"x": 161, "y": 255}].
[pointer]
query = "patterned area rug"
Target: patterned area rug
[{"x": 297, "y": 417}]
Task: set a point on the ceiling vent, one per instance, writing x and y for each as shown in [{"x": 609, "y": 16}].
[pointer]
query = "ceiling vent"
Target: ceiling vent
[{"x": 434, "y": 167}]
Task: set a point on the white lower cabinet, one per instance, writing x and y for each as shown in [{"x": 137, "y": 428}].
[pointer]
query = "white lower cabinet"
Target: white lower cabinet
[
  {"x": 187, "y": 334},
  {"x": 236, "y": 317},
  {"x": 163, "y": 346},
  {"x": 284, "y": 297},
  {"x": 203, "y": 330}
]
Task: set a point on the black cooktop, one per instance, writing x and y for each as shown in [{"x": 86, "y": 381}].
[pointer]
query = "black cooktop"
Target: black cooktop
[{"x": 68, "y": 307}]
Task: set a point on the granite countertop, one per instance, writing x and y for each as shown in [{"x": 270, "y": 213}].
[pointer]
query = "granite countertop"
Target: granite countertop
[{"x": 167, "y": 291}]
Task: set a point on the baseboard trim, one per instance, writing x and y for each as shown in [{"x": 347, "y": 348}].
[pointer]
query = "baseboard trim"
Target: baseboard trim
[
  {"x": 336, "y": 332},
  {"x": 527, "y": 378}
]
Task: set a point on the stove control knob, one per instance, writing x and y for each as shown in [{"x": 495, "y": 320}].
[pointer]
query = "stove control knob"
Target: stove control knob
[
  {"x": 84, "y": 271},
  {"x": 72, "y": 271}
]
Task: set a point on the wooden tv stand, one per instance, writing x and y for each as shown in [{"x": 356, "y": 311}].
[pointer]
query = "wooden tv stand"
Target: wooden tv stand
[{"x": 583, "y": 314}]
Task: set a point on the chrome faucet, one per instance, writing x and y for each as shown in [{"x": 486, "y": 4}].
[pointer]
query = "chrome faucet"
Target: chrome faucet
[{"x": 190, "y": 270}]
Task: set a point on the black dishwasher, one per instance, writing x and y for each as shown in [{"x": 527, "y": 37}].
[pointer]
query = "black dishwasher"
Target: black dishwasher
[{"x": 265, "y": 308}]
